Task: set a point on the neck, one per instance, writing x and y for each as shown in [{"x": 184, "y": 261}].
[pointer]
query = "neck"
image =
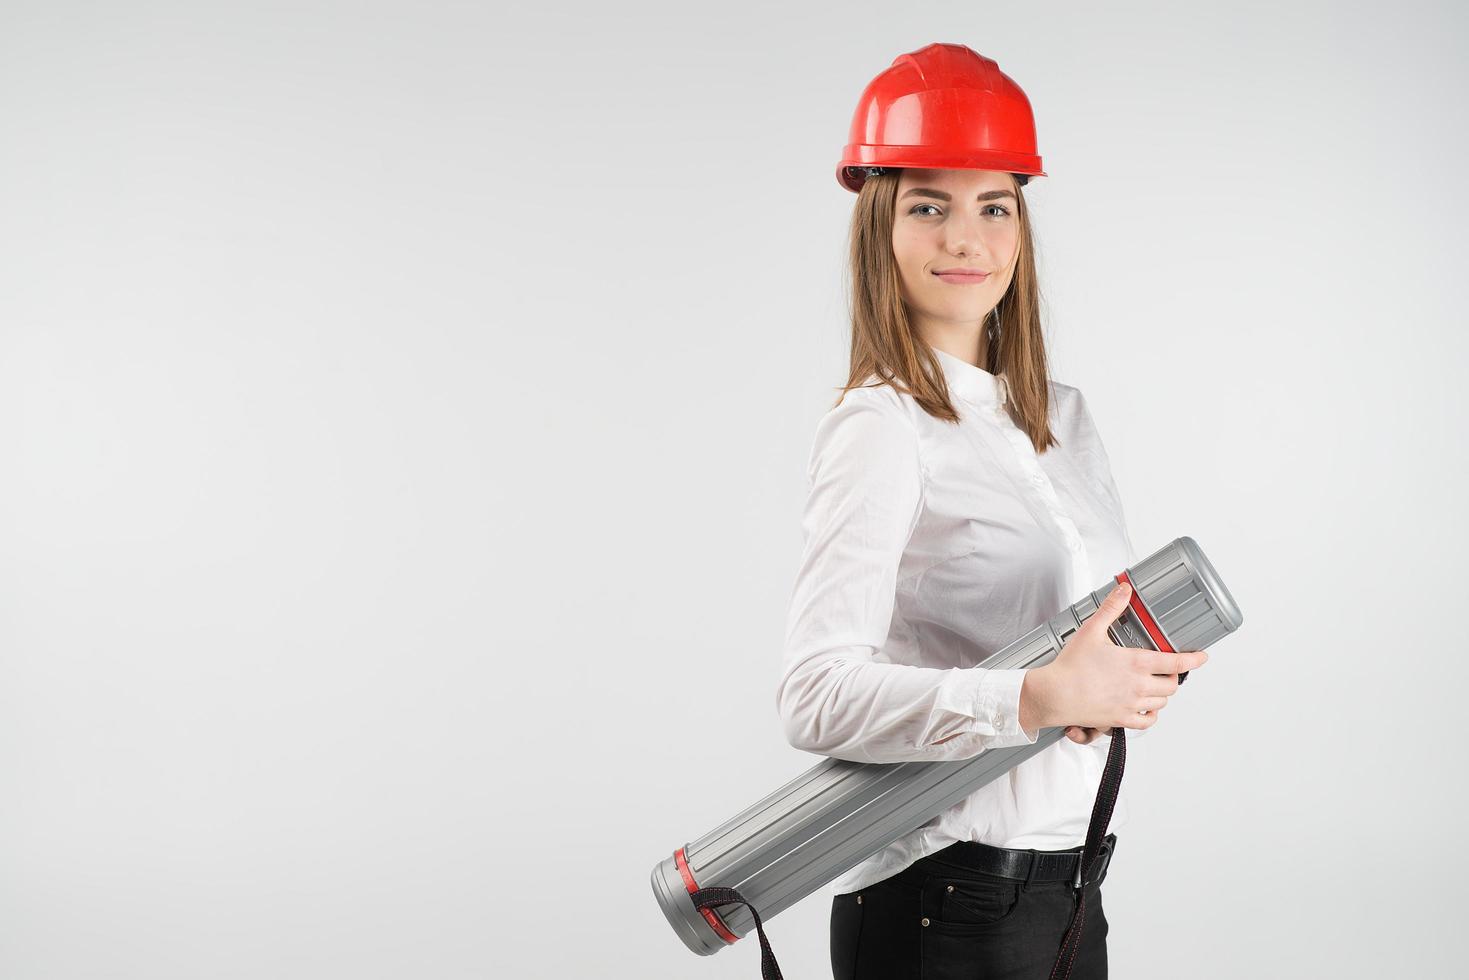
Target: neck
[{"x": 964, "y": 340}]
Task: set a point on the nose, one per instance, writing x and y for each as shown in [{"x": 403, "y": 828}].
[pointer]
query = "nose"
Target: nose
[{"x": 962, "y": 235}]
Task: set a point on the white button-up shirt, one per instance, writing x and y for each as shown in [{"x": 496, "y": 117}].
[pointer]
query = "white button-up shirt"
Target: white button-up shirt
[{"x": 930, "y": 546}]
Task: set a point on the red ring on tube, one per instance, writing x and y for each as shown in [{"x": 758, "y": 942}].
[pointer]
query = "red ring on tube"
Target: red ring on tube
[
  {"x": 1145, "y": 617},
  {"x": 710, "y": 916}
]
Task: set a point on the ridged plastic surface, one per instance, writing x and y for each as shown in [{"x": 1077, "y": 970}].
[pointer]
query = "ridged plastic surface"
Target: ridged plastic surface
[{"x": 833, "y": 816}]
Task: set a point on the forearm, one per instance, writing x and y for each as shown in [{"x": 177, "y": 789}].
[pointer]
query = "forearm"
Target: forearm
[
  {"x": 1037, "y": 699},
  {"x": 1038, "y": 704},
  {"x": 847, "y": 707}
]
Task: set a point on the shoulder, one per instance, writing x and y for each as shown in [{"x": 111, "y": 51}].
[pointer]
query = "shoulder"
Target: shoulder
[
  {"x": 873, "y": 397},
  {"x": 872, "y": 424},
  {"x": 1069, "y": 408},
  {"x": 1066, "y": 400},
  {"x": 1071, "y": 419}
]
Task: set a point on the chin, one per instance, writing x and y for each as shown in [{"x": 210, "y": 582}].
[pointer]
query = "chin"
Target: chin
[{"x": 972, "y": 310}]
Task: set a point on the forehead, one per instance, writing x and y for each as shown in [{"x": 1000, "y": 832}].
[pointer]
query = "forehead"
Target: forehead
[{"x": 955, "y": 180}]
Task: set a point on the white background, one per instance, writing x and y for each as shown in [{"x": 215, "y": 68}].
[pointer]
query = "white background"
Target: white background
[{"x": 404, "y": 410}]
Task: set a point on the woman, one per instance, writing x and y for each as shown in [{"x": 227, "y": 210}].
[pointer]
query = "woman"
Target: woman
[{"x": 958, "y": 498}]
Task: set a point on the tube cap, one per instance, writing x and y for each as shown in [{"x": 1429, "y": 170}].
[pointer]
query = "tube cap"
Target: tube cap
[{"x": 1185, "y": 596}]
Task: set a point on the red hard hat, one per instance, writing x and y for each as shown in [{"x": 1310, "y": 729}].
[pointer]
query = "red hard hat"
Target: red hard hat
[{"x": 943, "y": 106}]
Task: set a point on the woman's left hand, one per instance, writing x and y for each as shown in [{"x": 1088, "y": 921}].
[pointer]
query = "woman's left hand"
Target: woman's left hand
[{"x": 1083, "y": 736}]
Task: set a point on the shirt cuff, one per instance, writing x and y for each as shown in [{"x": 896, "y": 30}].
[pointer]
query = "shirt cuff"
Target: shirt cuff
[
  {"x": 977, "y": 701},
  {"x": 999, "y": 704}
]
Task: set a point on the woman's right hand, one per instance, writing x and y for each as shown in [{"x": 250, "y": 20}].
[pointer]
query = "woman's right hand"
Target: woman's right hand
[{"x": 1094, "y": 683}]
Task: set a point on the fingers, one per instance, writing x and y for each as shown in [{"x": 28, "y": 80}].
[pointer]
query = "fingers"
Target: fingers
[
  {"x": 1138, "y": 721},
  {"x": 1155, "y": 662},
  {"x": 1159, "y": 685},
  {"x": 1152, "y": 705},
  {"x": 1083, "y": 736}
]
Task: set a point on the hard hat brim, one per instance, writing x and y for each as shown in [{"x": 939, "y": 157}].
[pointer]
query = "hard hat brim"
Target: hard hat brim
[{"x": 856, "y": 156}]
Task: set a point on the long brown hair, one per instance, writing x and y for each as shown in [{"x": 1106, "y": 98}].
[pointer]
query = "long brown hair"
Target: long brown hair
[{"x": 884, "y": 342}]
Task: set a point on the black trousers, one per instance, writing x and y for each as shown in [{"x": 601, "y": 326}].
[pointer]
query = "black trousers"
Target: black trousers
[{"x": 937, "y": 919}]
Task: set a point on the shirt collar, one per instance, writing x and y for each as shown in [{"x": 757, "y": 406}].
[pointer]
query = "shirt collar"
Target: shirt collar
[{"x": 973, "y": 384}]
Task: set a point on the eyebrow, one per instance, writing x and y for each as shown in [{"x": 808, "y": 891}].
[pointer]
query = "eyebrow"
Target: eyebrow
[{"x": 946, "y": 196}]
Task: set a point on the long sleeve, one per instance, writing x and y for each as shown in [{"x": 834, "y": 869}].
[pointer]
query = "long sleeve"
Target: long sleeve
[{"x": 834, "y": 698}]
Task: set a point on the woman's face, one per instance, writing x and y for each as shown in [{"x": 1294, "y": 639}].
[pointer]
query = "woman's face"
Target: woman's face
[{"x": 955, "y": 219}]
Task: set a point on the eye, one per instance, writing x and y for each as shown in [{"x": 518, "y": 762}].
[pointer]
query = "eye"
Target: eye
[{"x": 1004, "y": 212}]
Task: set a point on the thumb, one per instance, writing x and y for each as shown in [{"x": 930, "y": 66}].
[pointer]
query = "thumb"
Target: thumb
[{"x": 1112, "y": 606}]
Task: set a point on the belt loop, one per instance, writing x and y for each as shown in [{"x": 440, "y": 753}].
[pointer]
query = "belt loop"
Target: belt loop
[{"x": 1030, "y": 870}]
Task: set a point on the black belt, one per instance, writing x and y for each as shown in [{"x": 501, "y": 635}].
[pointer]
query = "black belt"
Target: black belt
[{"x": 1028, "y": 865}]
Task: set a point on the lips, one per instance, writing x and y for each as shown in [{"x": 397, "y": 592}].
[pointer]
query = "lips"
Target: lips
[{"x": 962, "y": 277}]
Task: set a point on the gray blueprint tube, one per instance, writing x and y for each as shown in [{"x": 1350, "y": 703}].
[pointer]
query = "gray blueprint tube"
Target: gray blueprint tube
[{"x": 833, "y": 816}]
